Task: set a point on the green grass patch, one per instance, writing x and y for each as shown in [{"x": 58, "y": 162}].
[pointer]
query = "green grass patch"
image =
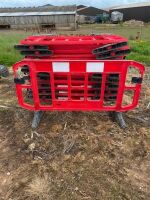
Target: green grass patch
[
  {"x": 140, "y": 51},
  {"x": 8, "y": 55}
]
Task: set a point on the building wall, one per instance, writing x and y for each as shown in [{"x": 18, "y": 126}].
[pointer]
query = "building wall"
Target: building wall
[
  {"x": 137, "y": 13},
  {"x": 26, "y": 21}
]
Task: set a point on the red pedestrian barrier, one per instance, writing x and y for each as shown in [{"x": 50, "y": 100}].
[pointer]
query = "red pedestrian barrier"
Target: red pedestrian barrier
[{"x": 69, "y": 73}]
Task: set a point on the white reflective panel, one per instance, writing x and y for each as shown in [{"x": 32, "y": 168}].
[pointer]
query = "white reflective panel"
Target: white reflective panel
[
  {"x": 94, "y": 67},
  {"x": 60, "y": 66}
]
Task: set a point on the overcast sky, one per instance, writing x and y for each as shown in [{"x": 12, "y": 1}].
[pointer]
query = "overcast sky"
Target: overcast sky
[{"x": 96, "y": 3}]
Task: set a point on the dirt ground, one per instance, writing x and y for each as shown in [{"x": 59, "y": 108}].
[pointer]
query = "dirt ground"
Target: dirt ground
[{"x": 73, "y": 155}]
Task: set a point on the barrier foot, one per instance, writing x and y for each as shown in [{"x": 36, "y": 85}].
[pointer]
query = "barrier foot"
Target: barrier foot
[
  {"x": 118, "y": 117},
  {"x": 37, "y": 118}
]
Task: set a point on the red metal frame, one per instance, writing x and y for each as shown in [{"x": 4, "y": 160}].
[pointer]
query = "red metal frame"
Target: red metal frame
[
  {"x": 78, "y": 47},
  {"x": 78, "y": 67}
]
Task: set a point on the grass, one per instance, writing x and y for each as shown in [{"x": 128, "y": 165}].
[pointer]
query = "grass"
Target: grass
[
  {"x": 140, "y": 49},
  {"x": 125, "y": 31},
  {"x": 8, "y": 55}
]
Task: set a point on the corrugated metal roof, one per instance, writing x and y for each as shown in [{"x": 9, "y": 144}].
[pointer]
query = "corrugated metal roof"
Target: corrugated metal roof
[
  {"x": 79, "y": 9},
  {"x": 21, "y": 14},
  {"x": 90, "y": 11},
  {"x": 81, "y": 6},
  {"x": 133, "y": 5},
  {"x": 40, "y": 9}
]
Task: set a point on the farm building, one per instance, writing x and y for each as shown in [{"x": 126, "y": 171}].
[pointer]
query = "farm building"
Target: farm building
[
  {"x": 88, "y": 13},
  {"x": 89, "y": 10},
  {"x": 138, "y": 11},
  {"x": 63, "y": 17}
]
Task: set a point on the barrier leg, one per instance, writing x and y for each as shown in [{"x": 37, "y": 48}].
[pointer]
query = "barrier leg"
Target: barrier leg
[
  {"x": 118, "y": 117},
  {"x": 37, "y": 118}
]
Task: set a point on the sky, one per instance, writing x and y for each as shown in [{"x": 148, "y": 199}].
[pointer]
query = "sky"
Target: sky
[{"x": 95, "y": 3}]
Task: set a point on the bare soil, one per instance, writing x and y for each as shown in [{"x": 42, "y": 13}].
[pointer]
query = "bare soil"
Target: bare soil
[{"x": 73, "y": 155}]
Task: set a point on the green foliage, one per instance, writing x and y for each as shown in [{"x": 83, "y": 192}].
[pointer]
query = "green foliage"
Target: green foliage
[
  {"x": 140, "y": 51},
  {"x": 8, "y": 55}
]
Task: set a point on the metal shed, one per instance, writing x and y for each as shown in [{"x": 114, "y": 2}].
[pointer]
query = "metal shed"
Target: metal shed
[
  {"x": 89, "y": 10},
  {"x": 87, "y": 14},
  {"x": 137, "y": 11},
  {"x": 41, "y": 17}
]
